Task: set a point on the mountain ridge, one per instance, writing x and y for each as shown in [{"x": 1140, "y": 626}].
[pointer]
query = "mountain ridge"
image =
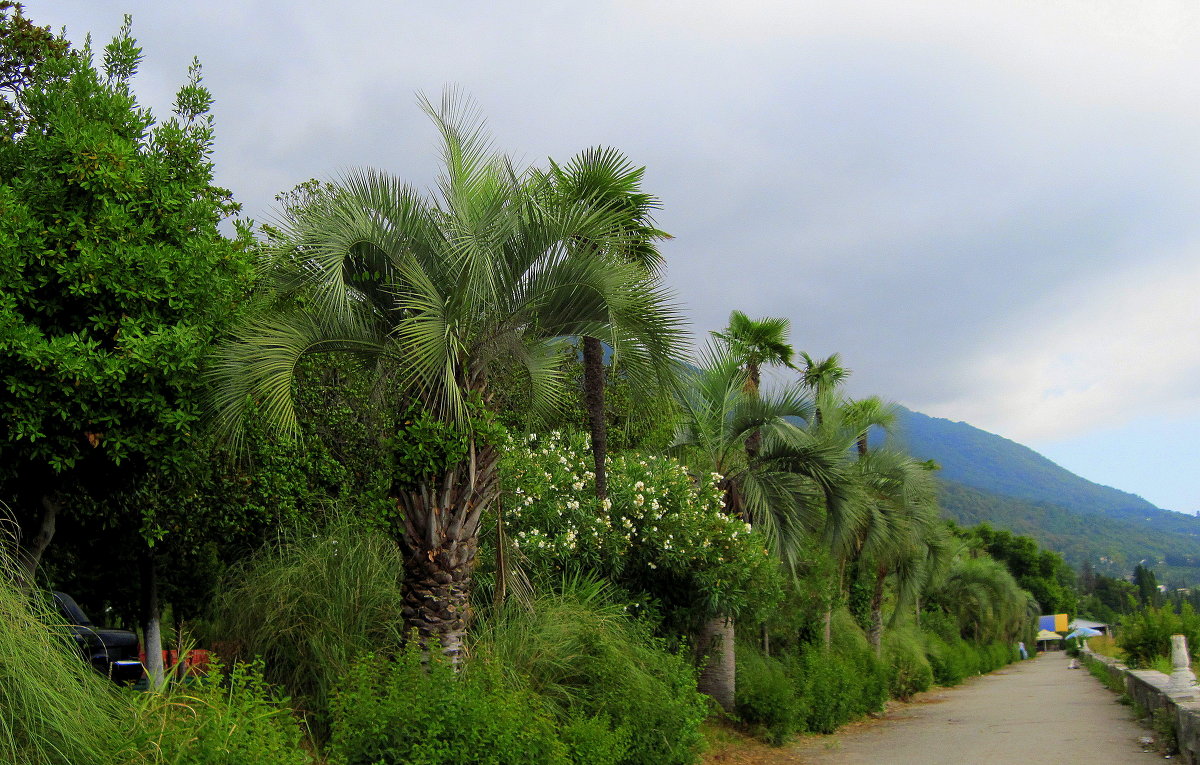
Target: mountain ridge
[{"x": 987, "y": 477}]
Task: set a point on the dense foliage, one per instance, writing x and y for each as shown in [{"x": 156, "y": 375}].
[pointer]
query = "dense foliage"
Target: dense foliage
[{"x": 661, "y": 534}]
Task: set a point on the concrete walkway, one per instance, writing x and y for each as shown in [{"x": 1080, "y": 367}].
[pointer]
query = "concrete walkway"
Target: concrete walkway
[{"x": 1036, "y": 711}]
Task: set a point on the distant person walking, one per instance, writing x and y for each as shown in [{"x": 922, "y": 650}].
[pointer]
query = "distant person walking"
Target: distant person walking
[{"x": 1021, "y": 648}]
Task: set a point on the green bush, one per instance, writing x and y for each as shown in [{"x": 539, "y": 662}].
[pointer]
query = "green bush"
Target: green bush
[
  {"x": 308, "y": 607},
  {"x": 415, "y": 710},
  {"x": 841, "y": 683},
  {"x": 594, "y": 741},
  {"x": 766, "y": 696},
  {"x": 581, "y": 652},
  {"x": 220, "y": 720},
  {"x": 908, "y": 668},
  {"x": 1147, "y": 633}
]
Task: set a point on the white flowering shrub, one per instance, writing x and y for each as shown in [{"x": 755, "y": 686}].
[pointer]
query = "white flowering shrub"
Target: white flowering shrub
[{"x": 662, "y": 533}]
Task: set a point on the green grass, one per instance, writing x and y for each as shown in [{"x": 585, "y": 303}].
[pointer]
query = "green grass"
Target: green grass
[
  {"x": 310, "y": 606},
  {"x": 54, "y": 709}
]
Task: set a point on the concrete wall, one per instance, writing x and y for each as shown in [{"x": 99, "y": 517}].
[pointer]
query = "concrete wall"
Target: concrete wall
[{"x": 1152, "y": 691}]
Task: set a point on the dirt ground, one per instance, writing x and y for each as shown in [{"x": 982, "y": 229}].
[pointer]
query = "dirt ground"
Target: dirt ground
[{"x": 1035, "y": 711}]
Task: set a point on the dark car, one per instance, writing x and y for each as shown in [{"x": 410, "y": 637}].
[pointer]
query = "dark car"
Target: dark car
[{"x": 114, "y": 653}]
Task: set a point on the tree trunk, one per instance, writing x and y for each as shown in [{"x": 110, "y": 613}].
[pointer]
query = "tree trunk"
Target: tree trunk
[
  {"x": 766, "y": 640},
  {"x": 593, "y": 399},
  {"x": 30, "y": 555},
  {"x": 875, "y": 633},
  {"x": 718, "y": 667},
  {"x": 862, "y": 445},
  {"x": 151, "y": 620},
  {"x": 441, "y": 520}
]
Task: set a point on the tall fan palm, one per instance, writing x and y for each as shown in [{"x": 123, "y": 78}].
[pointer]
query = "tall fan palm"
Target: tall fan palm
[
  {"x": 902, "y": 529},
  {"x": 757, "y": 342},
  {"x": 781, "y": 489},
  {"x": 604, "y": 179},
  {"x": 434, "y": 291},
  {"x": 984, "y": 599},
  {"x": 822, "y": 378},
  {"x": 860, "y": 415}
]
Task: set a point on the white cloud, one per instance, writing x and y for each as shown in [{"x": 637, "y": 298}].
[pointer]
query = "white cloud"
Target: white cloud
[{"x": 1099, "y": 353}]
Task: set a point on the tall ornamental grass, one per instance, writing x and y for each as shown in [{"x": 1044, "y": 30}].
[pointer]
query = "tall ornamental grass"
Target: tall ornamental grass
[
  {"x": 54, "y": 708},
  {"x": 309, "y": 606}
]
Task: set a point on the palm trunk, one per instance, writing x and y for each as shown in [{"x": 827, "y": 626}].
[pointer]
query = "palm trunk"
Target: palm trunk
[
  {"x": 718, "y": 666},
  {"x": 875, "y": 633},
  {"x": 151, "y": 620},
  {"x": 440, "y": 538},
  {"x": 754, "y": 440},
  {"x": 862, "y": 445},
  {"x": 593, "y": 398},
  {"x": 30, "y": 556}
]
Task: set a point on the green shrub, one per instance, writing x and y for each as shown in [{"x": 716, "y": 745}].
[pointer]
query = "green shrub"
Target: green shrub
[
  {"x": 841, "y": 683},
  {"x": 415, "y": 710},
  {"x": 766, "y": 696},
  {"x": 581, "y": 652},
  {"x": 308, "y": 607},
  {"x": 220, "y": 720},
  {"x": 1147, "y": 633},
  {"x": 594, "y": 741},
  {"x": 909, "y": 671}
]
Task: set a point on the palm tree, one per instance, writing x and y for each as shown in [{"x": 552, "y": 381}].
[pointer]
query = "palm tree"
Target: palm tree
[
  {"x": 860, "y": 415},
  {"x": 604, "y": 179},
  {"x": 433, "y": 291},
  {"x": 822, "y": 378},
  {"x": 756, "y": 343},
  {"x": 901, "y": 530},
  {"x": 780, "y": 489},
  {"x": 983, "y": 598}
]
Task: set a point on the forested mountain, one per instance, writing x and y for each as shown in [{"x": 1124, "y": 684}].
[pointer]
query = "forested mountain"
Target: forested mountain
[{"x": 988, "y": 478}]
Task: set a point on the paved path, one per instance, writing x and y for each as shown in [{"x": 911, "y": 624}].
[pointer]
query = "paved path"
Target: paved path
[{"x": 1028, "y": 713}]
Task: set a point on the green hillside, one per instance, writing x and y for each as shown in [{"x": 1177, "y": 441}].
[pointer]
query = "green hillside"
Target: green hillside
[{"x": 988, "y": 478}]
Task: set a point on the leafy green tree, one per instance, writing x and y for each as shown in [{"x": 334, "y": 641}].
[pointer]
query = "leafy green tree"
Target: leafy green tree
[
  {"x": 604, "y": 179},
  {"x": 1147, "y": 586},
  {"x": 116, "y": 280},
  {"x": 434, "y": 295}
]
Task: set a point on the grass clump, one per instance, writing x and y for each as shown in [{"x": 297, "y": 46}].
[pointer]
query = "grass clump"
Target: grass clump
[
  {"x": 310, "y": 606},
  {"x": 54, "y": 708}
]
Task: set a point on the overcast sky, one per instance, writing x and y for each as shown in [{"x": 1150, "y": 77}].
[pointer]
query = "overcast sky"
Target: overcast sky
[{"x": 990, "y": 209}]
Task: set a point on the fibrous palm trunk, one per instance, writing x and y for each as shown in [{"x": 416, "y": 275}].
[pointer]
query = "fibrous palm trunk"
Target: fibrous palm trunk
[
  {"x": 593, "y": 398},
  {"x": 718, "y": 666},
  {"x": 439, "y": 541}
]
